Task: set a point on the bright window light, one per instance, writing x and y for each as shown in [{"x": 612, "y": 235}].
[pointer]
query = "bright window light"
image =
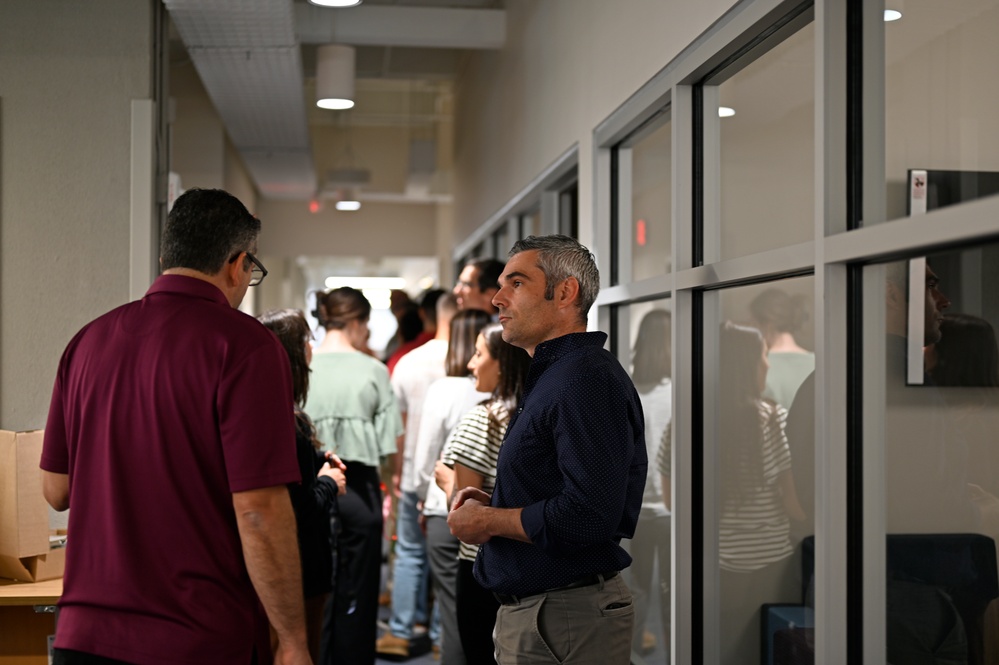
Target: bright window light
[
  {"x": 335, "y": 3},
  {"x": 725, "y": 112},
  {"x": 379, "y": 298},
  {"x": 357, "y": 282},
  {"x": 335, "y": 104},
  {"x": 892, "y": 15},
  {"x": 348, "y": 205}
]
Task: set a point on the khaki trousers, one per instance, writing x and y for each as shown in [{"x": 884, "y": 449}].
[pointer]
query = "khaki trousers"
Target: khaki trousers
[{"x": 587, "y": 626}]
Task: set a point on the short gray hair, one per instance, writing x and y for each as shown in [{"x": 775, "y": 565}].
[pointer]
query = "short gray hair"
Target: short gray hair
[{"x": 561, "y": 257}]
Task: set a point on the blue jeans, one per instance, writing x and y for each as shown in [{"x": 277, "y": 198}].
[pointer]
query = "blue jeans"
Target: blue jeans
[{"x": 410, "y": 572}]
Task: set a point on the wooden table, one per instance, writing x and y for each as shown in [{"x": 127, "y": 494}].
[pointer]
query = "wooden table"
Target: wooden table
[{"x": 23, "y": 631}]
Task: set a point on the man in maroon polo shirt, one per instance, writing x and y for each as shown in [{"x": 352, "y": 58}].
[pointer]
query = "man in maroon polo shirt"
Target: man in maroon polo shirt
[{"x": 171, "y": 437}]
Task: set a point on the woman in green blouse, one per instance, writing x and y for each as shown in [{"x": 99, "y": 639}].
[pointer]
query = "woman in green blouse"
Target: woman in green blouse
[{"x": 354, "y": 411}]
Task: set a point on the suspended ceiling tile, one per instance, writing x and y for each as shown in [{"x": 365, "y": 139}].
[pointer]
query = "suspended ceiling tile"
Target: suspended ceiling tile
[{"x": 258, "y": 93}]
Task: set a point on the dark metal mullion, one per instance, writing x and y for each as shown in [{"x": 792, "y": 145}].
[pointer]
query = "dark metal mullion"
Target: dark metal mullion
[
  {"x": 854, "y": 351},
  {"x": 615, "y": 217},
  {"x": 697, "y": 479},
  {"x": 697, "y": 168},
  {"x": 854, "y": 114},
  {"x": 697, "y": 385},
  {"x": 854, "y": 467}
]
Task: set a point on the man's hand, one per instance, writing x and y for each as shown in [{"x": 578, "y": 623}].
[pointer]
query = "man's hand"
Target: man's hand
[
  {"x": 470, "y": 493},
  {"x": 469, "y": 519},
  {"x": 473, "y": 521}
]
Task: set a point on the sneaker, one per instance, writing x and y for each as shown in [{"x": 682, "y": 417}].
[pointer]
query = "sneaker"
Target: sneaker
[{"x": 390, "y": 645}]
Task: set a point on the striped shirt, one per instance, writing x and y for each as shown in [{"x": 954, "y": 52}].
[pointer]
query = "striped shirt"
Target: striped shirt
[
  {"x": 753, "y": 527},
  {"x": 475, "y": 444}
]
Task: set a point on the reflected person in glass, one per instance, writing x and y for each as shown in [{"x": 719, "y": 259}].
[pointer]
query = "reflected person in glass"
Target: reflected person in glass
[{"x": 651, "y": 369}]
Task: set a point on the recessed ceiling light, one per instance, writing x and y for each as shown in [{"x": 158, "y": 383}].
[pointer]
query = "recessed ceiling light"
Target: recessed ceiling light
[
  {"x": 335, "y": 103},
  {"x": 336, "y": 3},
  {"x": 348, "y": 205},
  {"x": 725, "y": 112},
  {"x": 892, "y": 15}
]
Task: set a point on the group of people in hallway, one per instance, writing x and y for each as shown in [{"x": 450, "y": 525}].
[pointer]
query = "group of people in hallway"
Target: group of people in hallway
[
  {"x": 225, "y": 474},
  {"x": 224, "y": 477}
]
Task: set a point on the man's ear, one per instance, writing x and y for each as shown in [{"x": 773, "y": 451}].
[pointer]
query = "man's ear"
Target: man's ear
[
  {"x": 567, "y": 293},
  {"x": 233, "y": 269}
]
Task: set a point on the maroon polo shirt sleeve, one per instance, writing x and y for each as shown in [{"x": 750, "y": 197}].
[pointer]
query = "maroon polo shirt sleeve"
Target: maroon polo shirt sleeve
[
  {"x": 55, "y": 448},
  {"x": 256, "y": 419}
]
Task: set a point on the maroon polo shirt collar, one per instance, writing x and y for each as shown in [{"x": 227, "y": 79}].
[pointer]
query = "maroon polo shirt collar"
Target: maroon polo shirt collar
[{"x": 188, "y": 286}]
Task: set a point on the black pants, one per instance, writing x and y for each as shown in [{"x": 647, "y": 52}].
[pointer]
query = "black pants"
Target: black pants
[
  {"x": 350, "y": 625},
  {"x": 476, "y": 617},
  {"x": 70, "y": 657}
]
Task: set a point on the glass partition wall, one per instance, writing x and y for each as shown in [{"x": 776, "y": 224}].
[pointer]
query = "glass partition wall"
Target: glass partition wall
[{"x": 822, "y": 484}]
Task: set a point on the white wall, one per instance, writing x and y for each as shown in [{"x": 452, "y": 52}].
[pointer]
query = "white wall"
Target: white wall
[
  {"x": 68, "y": 74},
  {"x": 566, "y": 66},
  {"x": 376, "y": 230}
]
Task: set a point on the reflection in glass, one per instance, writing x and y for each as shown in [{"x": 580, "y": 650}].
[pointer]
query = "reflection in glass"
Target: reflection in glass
[
  {"x": 941, "y": 94},
  {"x": 767, "y": 150},
  {"x": 940, "y": 460},
  {"x": 651, "y": 204},
  {"x": 780, "y": 316},
  {"x": 760, "y": 463},
  {"x": 649, "y": 574}
]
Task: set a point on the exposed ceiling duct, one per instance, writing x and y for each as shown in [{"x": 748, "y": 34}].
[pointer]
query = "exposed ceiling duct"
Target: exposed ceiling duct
[
  {"x": 248, "y": 54},
  {"x": 249, "y": 61}
]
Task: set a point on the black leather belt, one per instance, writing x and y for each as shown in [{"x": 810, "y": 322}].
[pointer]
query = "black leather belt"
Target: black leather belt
[{"x": 588, "y": 580}]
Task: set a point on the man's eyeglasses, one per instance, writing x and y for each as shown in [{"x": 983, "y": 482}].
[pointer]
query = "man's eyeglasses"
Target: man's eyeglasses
[{"x": 258, "y": 271}]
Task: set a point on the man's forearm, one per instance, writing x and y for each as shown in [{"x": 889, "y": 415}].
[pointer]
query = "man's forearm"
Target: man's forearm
[
  {"x": 505, "y": 523},
  {"x": 270, "y": 546}
]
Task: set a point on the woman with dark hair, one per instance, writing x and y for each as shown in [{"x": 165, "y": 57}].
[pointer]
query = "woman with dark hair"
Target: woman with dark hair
[
  {"x": 472, "y": 450},
  {"x": 756, "y": 492},
  {"x": 779, "y": 317},
  {"x": 447, "y": 400},
  {"x": 651, "y": 369},
  {"x": 315, "y": 499},
  {"x": 354, "y": 410}
]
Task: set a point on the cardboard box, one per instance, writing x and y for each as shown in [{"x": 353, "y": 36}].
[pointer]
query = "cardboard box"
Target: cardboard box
[
  {"x": 48, "y": 566},
  {"x": 24, "y": 514},
  {"x": 25, "y": 552}
]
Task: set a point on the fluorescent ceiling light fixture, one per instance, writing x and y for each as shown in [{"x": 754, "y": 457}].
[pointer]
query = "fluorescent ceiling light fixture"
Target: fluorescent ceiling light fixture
[
  {"x": 335, "y": 77},
  {"x": 892, "y": 15},
  {"x": 348, "y": 205},
  {"x": 388, "y": 283},
  {"x": 427, "y": 283},
  {"x": 725, "y": 112},
  {"x": 336, "y": 3},
  {"x": 334, "y": 103}
]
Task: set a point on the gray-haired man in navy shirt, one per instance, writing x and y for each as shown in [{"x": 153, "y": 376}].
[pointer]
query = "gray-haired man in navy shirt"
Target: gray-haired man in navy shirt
[{"x": 570, "y": 474}]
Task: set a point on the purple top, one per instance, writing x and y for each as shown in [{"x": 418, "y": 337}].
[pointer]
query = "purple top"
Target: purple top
[{"x": 162, "y": 408}]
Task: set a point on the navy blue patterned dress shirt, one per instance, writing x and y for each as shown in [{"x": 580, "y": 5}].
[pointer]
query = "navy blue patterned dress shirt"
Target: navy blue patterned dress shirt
[{"x": 574, "y": 459}]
